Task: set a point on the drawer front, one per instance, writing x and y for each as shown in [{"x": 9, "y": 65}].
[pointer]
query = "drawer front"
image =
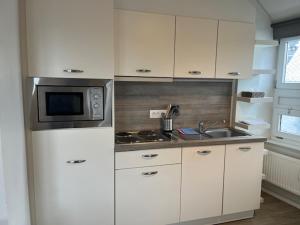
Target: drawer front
[{"x": 148, "y": 158}]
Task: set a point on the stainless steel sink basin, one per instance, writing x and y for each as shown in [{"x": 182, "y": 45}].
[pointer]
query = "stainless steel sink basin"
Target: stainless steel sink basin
[
  {"x": 224, "y": 132},
  {"x": 214, "y": 133}
]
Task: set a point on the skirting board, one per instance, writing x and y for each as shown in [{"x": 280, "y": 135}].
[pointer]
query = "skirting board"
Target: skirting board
[
  {"x": 281, "y": 194},
  {"x": 220, "y": 219}
]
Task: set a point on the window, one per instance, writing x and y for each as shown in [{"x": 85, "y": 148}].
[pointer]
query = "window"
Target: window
[{"x": 286, "y": 115}]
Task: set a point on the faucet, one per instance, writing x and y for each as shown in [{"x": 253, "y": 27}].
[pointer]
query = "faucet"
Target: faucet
[{"x": 202, "y": 128}]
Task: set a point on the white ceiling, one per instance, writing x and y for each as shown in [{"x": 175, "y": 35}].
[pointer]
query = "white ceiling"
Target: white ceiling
[{"x": 281, "y": 10}]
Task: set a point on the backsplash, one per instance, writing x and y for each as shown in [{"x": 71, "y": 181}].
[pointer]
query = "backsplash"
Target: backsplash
[{"x": 208, "y": 101}]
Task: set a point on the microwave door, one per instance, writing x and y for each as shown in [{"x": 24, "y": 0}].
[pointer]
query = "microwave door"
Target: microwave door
[{"x": 63, "y": 104}]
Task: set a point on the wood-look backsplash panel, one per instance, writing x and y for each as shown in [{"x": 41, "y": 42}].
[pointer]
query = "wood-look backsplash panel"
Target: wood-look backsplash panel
[{"x": 209, "y": 101}]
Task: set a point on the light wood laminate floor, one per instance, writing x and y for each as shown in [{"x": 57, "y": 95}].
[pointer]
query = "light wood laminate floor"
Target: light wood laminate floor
[{"x": 272, "y": 212}]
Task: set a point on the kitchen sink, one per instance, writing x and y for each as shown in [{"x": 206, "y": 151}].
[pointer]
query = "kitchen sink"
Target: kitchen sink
[
  {"x": 214, "y": 133},
  {"x": 224, "y": 132}
]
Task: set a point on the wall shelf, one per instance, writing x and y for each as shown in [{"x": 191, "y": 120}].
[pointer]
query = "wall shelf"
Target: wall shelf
[
  {"x": 266, "y": 43},
  {"x": 255, "y": 100},
  {"x": 249, "y": 126},
  {"x": 260, "y": 71}
]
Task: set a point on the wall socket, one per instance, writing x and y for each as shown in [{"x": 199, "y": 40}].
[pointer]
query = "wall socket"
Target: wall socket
[{"x": 155, "y": 114}]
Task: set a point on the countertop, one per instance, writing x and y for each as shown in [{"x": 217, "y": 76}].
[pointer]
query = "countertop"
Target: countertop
[{"x": 188, "y": 143}]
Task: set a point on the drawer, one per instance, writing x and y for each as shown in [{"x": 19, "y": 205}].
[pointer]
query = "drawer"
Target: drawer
[{"x": 148, "y": 158}]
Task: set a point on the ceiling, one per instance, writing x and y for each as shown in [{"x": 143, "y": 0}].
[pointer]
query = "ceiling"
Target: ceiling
[{"x": 281, "y": 10}]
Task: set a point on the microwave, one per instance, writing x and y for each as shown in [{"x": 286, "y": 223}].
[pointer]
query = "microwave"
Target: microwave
[{"x": 70, "y": 103}]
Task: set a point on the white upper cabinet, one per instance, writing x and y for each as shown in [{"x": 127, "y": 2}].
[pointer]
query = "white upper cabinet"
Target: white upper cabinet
[
  {"x": 196, "y": 42},
  {"x": 235, "y": 50},
  {"x": 202, "y": 182},
  {"x": 144, "y": 44},
  {"x": 242, "y": 177},
  {"x": 68, "y": 38}
]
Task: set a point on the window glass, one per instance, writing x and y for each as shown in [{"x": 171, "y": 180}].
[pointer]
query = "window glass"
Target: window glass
[
  {"x": 290, "y": 124},
  {"x": 292, "y": 67}
]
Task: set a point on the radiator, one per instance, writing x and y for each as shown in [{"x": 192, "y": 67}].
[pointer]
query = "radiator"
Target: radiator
[{"x": 282, "y": 171}]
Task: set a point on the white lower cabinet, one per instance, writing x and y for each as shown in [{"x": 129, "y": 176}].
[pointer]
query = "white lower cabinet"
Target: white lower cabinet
[
  {"x": 242, "y": 179},
  {"x": 148, "y": 195},
  {"x": 202, "y": 182},
  {"x": 73, "y": 183}
]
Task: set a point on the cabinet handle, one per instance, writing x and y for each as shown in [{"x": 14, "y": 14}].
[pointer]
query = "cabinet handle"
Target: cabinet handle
[
  {"x": 149, "y": 156},
  {"x": 73, "y": 71},
  {"x": 204, "y": 152},
  {"x": 234, "y": 73},
  {"x": 143, "y": 71},
  {"x": 149, "y": 174},
  {"x": 245, "y": 149},
  {"x": 195, "y": 72},
  {"x": 76, "y": 161}
]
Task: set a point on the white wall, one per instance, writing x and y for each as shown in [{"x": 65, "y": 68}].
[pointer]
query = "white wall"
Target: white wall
[
  {"x": 3, "y": 206},
  {"x": 239, "y": 10},
  {"x": 11, "y": 116},
  {"x": 264, "y": 58}
]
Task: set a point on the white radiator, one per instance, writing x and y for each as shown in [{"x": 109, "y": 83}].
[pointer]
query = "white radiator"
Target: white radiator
[{"x": 282, "y": 171}]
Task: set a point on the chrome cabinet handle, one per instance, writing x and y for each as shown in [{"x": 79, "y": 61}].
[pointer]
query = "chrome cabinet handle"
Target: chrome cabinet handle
[
  {"x": 149, "y": 156},
  {"x": 206, "y": 152},
  {"x": 73, "y": 71},
  {"x": 195, "y": 72},
  {"x": 76, "y": 161},
  {"x": 234, "y": 73},
  {"x": 245, "y": 149},
  {"x": 143, "y": 71},
  {"x": 149, "y": 174}
]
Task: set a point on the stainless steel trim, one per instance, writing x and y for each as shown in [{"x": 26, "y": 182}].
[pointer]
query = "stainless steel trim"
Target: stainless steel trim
[
  {"x": 32, "y": 95},
  {"x": 143, "y": 70},
  {"x": 234, "y": 73},
  {"x": 205, "y": 152},
  {"x": 149, "y": 156},
  {"x": 73, "y": 71},
  {"x": 195, "y": 72},
  {"x": 76, "y": 161},
  {"x": 149, "y": 174},
  {"x": 142, "y": 79},
  {"x": 245, "y": 149}
]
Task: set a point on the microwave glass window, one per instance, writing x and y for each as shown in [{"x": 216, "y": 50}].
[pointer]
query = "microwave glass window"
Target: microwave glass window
[{"x": 64, "y": 103}]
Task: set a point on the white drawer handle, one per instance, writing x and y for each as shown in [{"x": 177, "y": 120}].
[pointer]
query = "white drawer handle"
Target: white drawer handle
[
  {"x": 76, "y": 161},
  {"x": 204, "y": 152},
  {"x": 149, "y": 156},
  {"x": 234, "y": 73},
  {"x": 245, "y": 149},
  {"x": 73, "y": 71},
  {"x": 149, "y": 174},
  {"x": 143, "y": 71},
  {"x": 195, "y": 72}
]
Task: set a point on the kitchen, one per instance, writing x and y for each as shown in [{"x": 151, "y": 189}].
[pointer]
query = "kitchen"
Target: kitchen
[{"x": 132, "y": 112}]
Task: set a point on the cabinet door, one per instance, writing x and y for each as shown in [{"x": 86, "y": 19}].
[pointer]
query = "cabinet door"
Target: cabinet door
[
  {"x": 144, "y": 44},
  {"x": 148, "y": 195},
  {"x": 202, "y": 182},
  {"x": 70, "y": 35},
  {"x": 71, "y": 192},
  {"x": 195, "y": 49},
  {"x": 243, "y": 174},
  {"x": 235, "y": 50}
]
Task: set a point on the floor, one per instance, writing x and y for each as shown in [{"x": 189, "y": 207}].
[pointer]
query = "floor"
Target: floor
[{"x": 272, "y": 212}]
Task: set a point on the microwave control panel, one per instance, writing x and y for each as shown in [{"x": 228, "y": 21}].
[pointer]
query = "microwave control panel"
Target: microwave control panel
[{"x": 97, "y": 102}]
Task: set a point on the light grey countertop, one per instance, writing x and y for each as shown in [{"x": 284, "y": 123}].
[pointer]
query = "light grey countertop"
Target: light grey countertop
[{"x": 188, "y": 143}]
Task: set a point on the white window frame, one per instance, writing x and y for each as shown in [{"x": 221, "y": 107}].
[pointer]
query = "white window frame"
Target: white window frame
[
  {"x": 288, "y": 91},
  {"x": 281, "y": 65}
]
